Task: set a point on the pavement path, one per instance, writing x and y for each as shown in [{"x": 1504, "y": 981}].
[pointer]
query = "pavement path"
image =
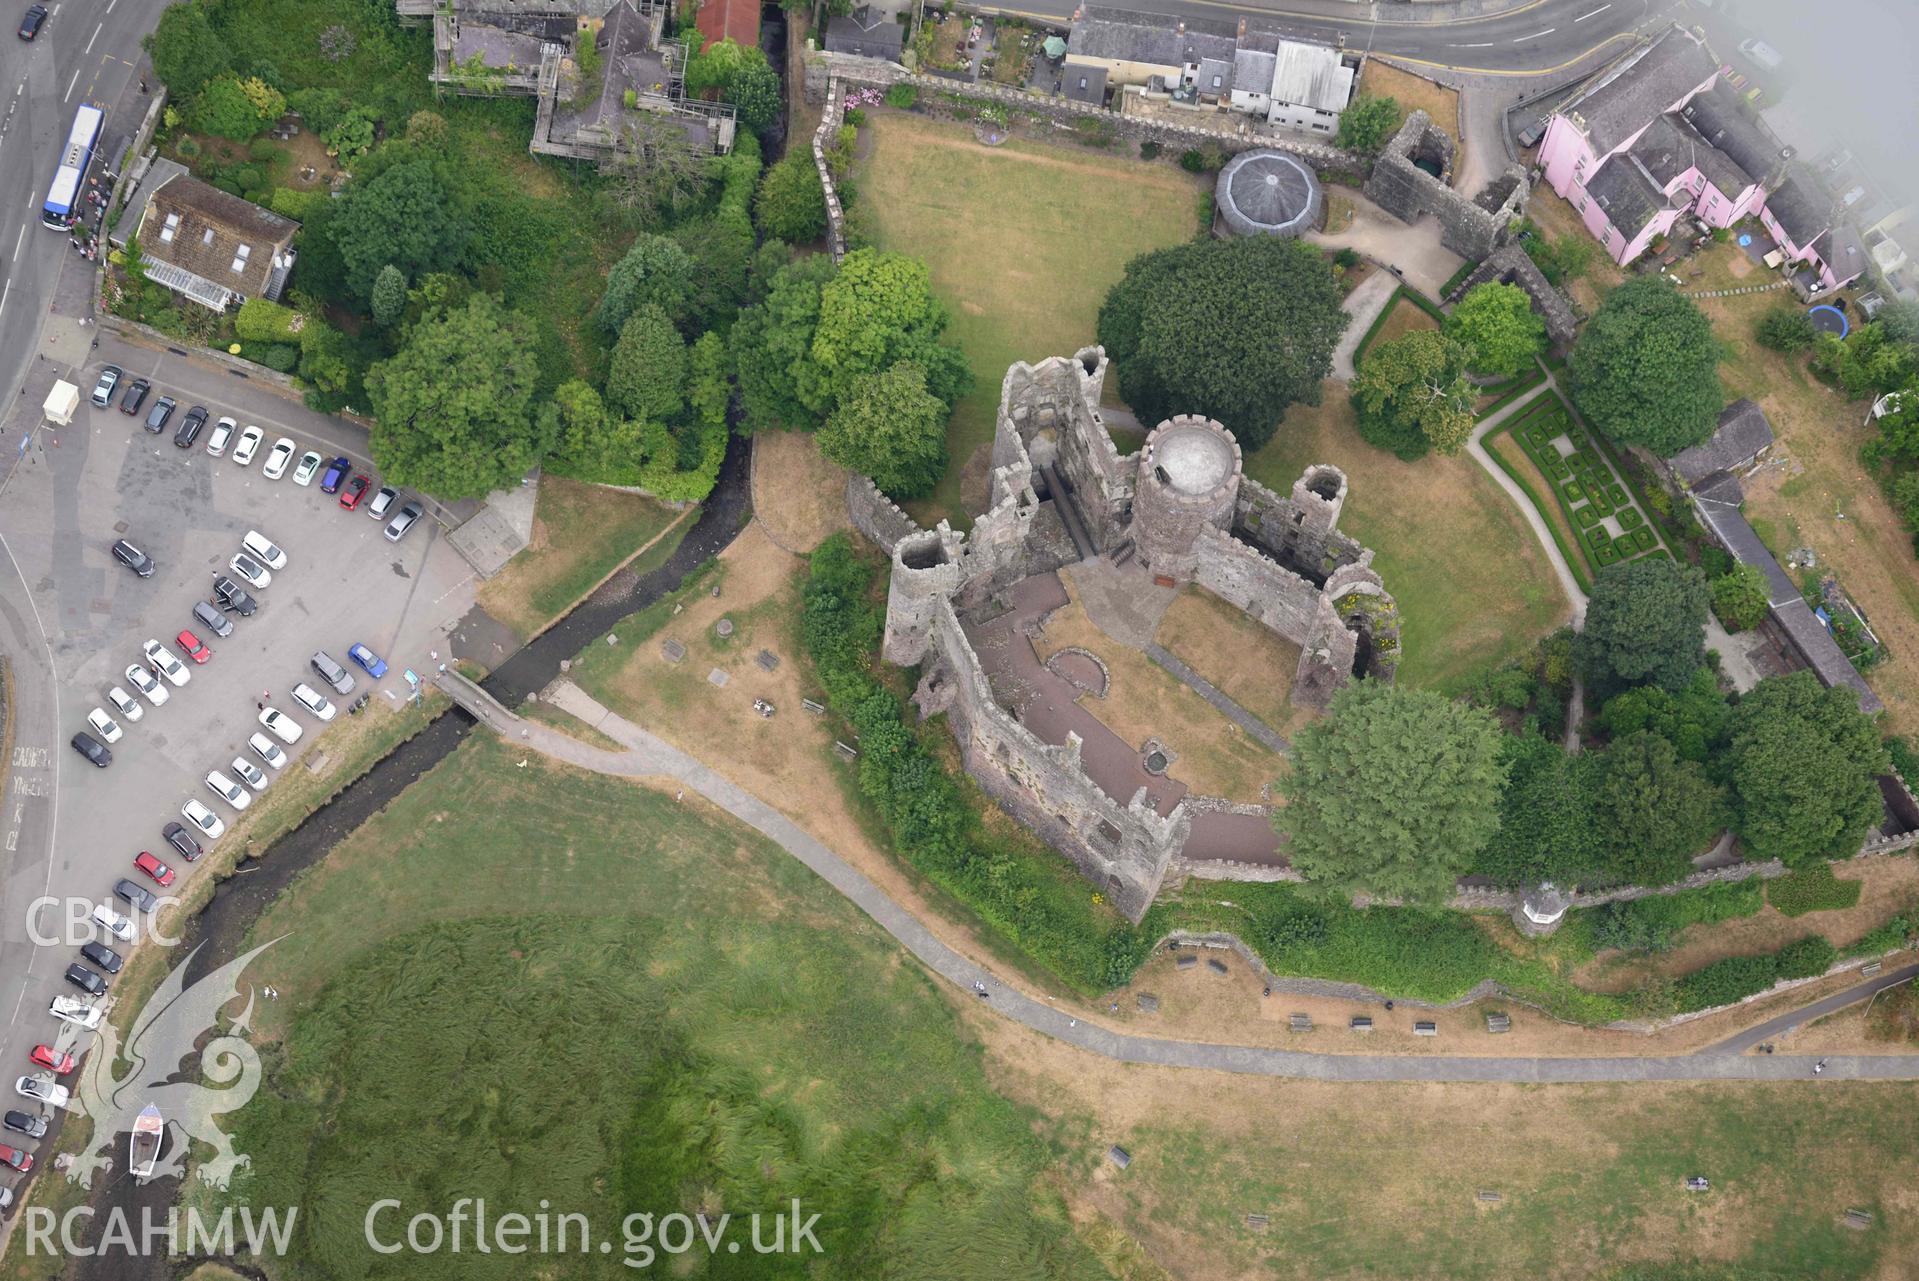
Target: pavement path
[
  {"x": 1362, "y": 306},
  {"x": 646, "y": 756},
  {"x": 1534, "y": 517}
]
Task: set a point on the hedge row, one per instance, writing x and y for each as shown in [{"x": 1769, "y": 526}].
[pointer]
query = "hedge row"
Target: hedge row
[
  {"x": 1812, "y": 889},
  {"x": 1586, "y": 484},
  {"x": 1408, "y": 294},
  {"x": 1738, "y": 977}
]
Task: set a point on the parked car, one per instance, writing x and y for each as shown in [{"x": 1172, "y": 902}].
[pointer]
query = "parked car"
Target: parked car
[
  {"x": 43, "y": 1087},
  {"x": 250, "y": 570},
  {"x": 182, "y": 841},
  {"x": 150, "y": 689},
  {"x": 157, "y": 416},
  {"x": 121, "y": 927},
  {"x": 136, "y": 895},
  {"x": 167, "y": 663},
  {"x": 103, "y": 389},
  {"x": 101, "y": 955},
  {"x": 397, "y": 527},
  {"x": 371, "y": 663},
  {"x": 86, "y": 980},
  {"x": 209, "y": 824},
  {"x": 220, "y": 437},
  {"x": 331, "y": 672},
  {"x": 208, "y": 615},
  {"x": 350, "y": 496},
  {"x": 32, "y": 21},
  {"x": 314, "y": 701},
  {"x": 249, "y": 445},
  {"x": 335, "y": 473},
  {"x": 71, "y": 1009},
  {"x": 232, "y": 597},
  {"x": 228, "y": 790},
  {"x": 196, "y": 648},
  {"x": 133, "y": 558},
  {"x": 92, "y": 748},
  {"x": 267, "y": 750},
  {"x": 308, "y": 465},
  {"x": 190, "y": 426},
  {"x": 249, "y": 774},
  {"x": 16, "y": 1157},
  {"x": 162, "y": 874},
  {"x": 278, "y": 459},
  {"x": 104, "y": 726},
  {"x": 261, "y": 548},
  {"x": 58, "y": 1062},
  {"x": 136, "y": 396},
  {"x": 124, "y": 703},
  {"x": 381, "y": 501},
  {"x": 34, "y": 1127},
  {"x": 281, "y": 726}
]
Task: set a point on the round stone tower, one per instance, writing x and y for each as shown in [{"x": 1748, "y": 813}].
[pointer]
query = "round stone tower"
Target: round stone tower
[
  {"x": 1188, "y": 479},
  {"x": 926, "y": 570}
]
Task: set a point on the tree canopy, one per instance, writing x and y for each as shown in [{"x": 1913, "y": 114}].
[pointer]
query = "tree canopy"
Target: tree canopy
[
  {"x": 186, "y": 51},
  {"x": 1645, "y": 625},
  {"x": 1695, "y": 720},
  {"x": 876, "y": 311},
  {"x": 1654, "y": 811},
  {"x": 389, "y": 296},
  {"x": 1237, "y": 330},
  {"x": 1367, "y": 124},
  {"x": 1412, "y": 394},
  {"x": 647, "y": 378},
  {"x": 791, "y": 205},
  {"x": 406, "y": 216},
  {"x": 1498, "y": 327},
  {"x": 654, "y": 270},
  {"x": 889, "y": 427},
  {"x": 1804, "y": 760},
  {"x": 1395, "y": 792},
  {"x": 1546, "y": 829},
  {"x": 772, "y": 344},
  {"x": 1645, "y": 370},
  {"x": 452, "y": 410}
]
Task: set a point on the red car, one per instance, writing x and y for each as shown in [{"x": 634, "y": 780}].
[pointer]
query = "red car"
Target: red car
[
  {"x": 48, "y": 1057},
  {"x": 16, "y": 1158},
  {"x": 160, "y": 872},
  {"x": 350, "y": 496},
  {"x": 196, "y": 651}
]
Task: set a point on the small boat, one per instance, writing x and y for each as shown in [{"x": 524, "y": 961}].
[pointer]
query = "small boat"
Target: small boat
[{"x": 143, "y": 1149}]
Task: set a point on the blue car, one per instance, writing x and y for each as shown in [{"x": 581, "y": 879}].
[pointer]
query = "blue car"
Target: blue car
[
  {"x": 372, "y": 663},
  {"x": 335, "y": 475}
]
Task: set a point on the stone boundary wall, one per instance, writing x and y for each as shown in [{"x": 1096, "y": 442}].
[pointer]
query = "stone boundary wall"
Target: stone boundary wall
[
  {"x": 1514, "y": 263},
  {"x": 1480, "y": 899},
  {"x": 876, "y": 515},
  {"x": 133, "y": 329},
  {"x": 830, "y": 121}
]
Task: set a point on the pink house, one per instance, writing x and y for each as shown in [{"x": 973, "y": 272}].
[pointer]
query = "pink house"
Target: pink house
[{"x": 1801, "y": 220}]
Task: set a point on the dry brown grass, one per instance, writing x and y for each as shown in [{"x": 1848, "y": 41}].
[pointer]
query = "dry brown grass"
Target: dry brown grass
[
  {"x": 799, "y": 494},
  {"x": 1215, "y": 756},
  {"x": 1556, "y": 218},
  {"x": 1248, "y": 663},
  {"x": 1415, "y": 92},
  {"x": 1403, "y": 319}
]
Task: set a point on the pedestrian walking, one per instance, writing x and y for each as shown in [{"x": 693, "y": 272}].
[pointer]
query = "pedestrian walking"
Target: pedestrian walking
[
  {"x": 143, "y": 84},
  {"x": 258, "y": 706}
]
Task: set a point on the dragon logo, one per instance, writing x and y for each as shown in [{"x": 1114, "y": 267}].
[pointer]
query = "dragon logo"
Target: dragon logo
[{"x": 166, "y": 1033}]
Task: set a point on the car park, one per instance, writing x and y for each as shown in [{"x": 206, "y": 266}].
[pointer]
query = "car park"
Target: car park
[
  {"x": 307, "y": 467},
  {"x": 43, "y": 1087},
  {"x": 205, "y": 820},
  {"x": 162, "y": 874},
  {"x": 31, "y": 22},
  {"x": 208, "y": 615},
  {"x": 335, "y": 473},
  {"x": 350, "y": 496},
  {"x": 232, "y": 597},
  {"x": 182, "y": 841},
  {"x": 196, "y": 649},
  {"x": 34, "y": 1127},
  {"x": 98, "y": 953},
  {"x": 167, "y": 663},
  {"x": 133, "y": 558},
  {"x": 157, "y": 416},
  {"x": 261, "y": 548},
  {"x": 250, "y": 570},
  {"x": 381, "y": 501},
  {"x": 16, "y": 1157},
  {"x": 249, "y": 446},
  {"x": 267, "y": 750},
  {"x": 103, "y": 726},
  {"x": 397, "y": 527},
  {"x": 371, "y": 663},
  {"x": 314, "y": 701},
  {"x": 220, "y": 437},
  {"x": 249, "y": 774},
  {"x": 136, "y": 396},
  {"x": 104, "y": 388},
  {"x": 71, "y": 1009},
  {"x": 58, "y": 1062},
  {"x": 228, "y": 790},
  {"x": 136, "y": 894},
  {"x": 142, "y": 679},
  {"x": 190, "y": 426},
  {"x": 121, "y": 927},
  {"x": 331, "y": 672},
  {"x": 278, "y": 459},
  {"x": 124, "y": 703},
  {"x": 93, "y": 749},
  {"x": 86, "y": 980},
  {"x": 281, "y": 726}
]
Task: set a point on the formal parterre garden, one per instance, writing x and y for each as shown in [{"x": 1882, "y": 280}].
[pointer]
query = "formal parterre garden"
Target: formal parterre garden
[{"x": 1606, "y": 518}]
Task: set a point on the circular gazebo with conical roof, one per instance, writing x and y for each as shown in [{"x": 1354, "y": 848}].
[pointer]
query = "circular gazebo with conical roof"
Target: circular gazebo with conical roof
[{"x": 1268, "y": 193}]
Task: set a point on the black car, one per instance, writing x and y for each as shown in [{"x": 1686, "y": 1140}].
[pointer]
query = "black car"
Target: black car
[
  {"x": 136, "y": 396},
  {"x": 93, "y": 749},
  {"x": 158, "y": 415},
  {"x": 181, "y": 840},
  {"x": 135, "y": 894},
  {"x": 101, "y": 955},
  {"x": 86, "y": 980},
  {"x": 190, "y": 427},
  {"x": 232, "y": 597},
  {"x": 133, "y": 558},
  {"x": 34, "y": 1127},
  {"x": 30, "y": 24}
]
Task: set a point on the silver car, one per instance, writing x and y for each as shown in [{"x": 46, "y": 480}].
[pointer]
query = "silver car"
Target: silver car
[{"x": 397, "y": 527}]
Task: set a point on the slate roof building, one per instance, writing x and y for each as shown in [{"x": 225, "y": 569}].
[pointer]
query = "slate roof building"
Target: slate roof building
[
  {"x": 1268, "y": 193},
  {"x": 868, "y": 32},
  {"x": 1739, "y": 443},
  {"x": 212, "y": 247}
]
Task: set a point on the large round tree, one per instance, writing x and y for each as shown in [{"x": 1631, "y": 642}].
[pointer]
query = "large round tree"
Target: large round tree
[
  {"x": 1805, "y": 761},
  {"x": 1645, "y": 625},
  {"x": 1645, "y": 371},
  {"x": 1237, "y": 330}
]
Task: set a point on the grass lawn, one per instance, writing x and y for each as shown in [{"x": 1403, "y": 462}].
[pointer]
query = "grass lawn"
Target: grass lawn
[
  {"x": 1244, "y": 660},
  {"x": 1473, "y": 586},
  {"x": 1557, "y": 219},
  {"x": 1502, "y": 445},
  {"x": 1413, "y": 92},
  {"x": 1023, "y": 241},
  {"x": 581, "y": 533}
]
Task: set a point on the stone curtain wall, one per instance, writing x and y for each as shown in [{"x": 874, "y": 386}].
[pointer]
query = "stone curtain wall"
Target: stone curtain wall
[
  {"x": 876, "y": 515},
  {"x": 1510, "y": 264},
  {"x": 830, "y": 122},
  {"x": 1404, "y": 190}
]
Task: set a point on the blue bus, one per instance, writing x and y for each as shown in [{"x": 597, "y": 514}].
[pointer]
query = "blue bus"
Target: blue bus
[{"x": 65, "y": 198}]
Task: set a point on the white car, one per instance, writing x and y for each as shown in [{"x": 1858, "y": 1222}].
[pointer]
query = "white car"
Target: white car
[
  {"x": 204, "y": 819},
  {"x": 142, "y": 679},
  {"x": 113, "y": 923},
  {"x": 267, "y": 750},
  {"x": 261, "y": 548},
  {"x": 313, "y": 700},
  {"x": 249, "y": 445},
  {"x": 282, "y": 726},
  {"x": 221, "y": 437},
  {"x": 251, "y": 570},
  {"x": 42, "y": 1086},
  {"x": 71, "y": 1009},
  {"x": 167, "y": 662},
  {"x": 250, "y": 775},
  {"x": 125, "y": 704},
  {"x": 277, "y": 459},
  {"x": 104, "y": 725},
  {"x": 308, "y": 468},
  {"x": 228, "y": 790}
]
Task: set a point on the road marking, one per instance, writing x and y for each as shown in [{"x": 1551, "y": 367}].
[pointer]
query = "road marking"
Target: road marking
[
  {"x": 1535, "y": 35},
  {"x": 25, "y": 757},
  {"x": 1487, "y": 45},
  {"x": 16, "y": 241},
  {"x": 71, "y": 83},
  {"x": 91, "y": 39},
  {"x": 3, "y": 297},
  {"x": 110, "y": 4},
  {"x": 1594, "y": 14}
]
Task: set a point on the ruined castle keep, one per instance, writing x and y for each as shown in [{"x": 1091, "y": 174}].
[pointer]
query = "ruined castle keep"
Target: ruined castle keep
[{"x": 1183, "y": 510}]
